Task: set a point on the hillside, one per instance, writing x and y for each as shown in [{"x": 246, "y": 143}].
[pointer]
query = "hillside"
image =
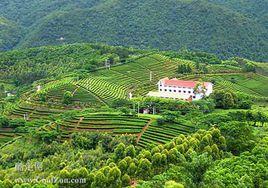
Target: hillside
[
  {"x": 9, "y": 34},
  {"x": 219, "y": 27},
  {"x": 253, "y": 9},
  {"x": 66, "y": 113}
]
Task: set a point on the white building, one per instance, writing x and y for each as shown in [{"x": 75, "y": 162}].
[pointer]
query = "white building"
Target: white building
[{"x": 182, "y": 89}]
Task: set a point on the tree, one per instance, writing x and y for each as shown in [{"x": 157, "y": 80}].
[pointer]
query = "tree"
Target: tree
[
  {"x": 67, "y": 97},
  {"x": 42, "y": 95},
  {"x": 114, "y": 178},
  {"x": 119, "y": 151},
  {"x": 261, "y": 117},
  {"x": 239, "y": 136},
  {"x": 157, "y": 162},
  {"x": 92, "y": 65},
  {"x": 122, "y": 165},
  {"x": 173, "y": 184},
  {"x": 132, "y": 169},
  {"x": 224, "y": 99},
  {"x": 198, "y": 166},
  {"x": 130, "y": 151},
  {"x": 126, "y": 180},
  {"x": 171, "y": 116},
  {"x": 17, "y": 123},
  {"x": 144, "y": 168},
  {"x": 184, "y": 68},
  {"x": 99, "y": 180},
  {"x": 249, "y": 67},
  {"x": 4, "y": 122}
]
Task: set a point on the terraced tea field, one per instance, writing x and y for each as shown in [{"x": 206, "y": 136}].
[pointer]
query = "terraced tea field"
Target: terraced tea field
[
  {"x": 135, "y": 76},
  {"x": 140, "y": 76},
  {"x": 80, "y": 95},
  {"x": 31, "y": 112},
  {"x": 145, "y": 129},
  {"x": 8, "y": 134},
  {"x": 161, "y": 134},
  {"x": 250, "y": 84},
  {"x": 110, "y": 123},
  {"x": 105, "y": 91}
]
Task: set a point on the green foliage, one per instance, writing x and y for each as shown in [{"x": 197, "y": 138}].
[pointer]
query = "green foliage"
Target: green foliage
[
  {"x": 246, "y": 170},
  {"x": 173, "y": 184},
  {"x": 224, "y": 99},
  {"x": 87, "y": 140},
  {"x": 67, "y": 97},
  {"x": 185, "y": 68},
  {"x": 4, "y": 122},
  {"x": 213, "y": 26},
  {"x": 227, "y": 99},
  {"x": 9, "y": 33},
  {"x": 198, "y": 57},
  {"x": 171, "y": 116},
  {"x": 203, "y": 155},
  {"x": 43, "y": 136},
  {"x": 11, "y": 123},
  {"x": 28, "y": 65},
  {"x": 250, "y": 67},
  {"x": 42, "y": 96},
  {"x": 239, "y": 136}
]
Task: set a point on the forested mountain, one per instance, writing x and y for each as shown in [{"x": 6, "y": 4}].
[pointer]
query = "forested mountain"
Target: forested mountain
[
  {"x": 222, "y": 26},
  {"x": 9, "y": 34}
]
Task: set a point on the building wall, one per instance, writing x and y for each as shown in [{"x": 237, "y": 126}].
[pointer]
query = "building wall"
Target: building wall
[
  {"x": 209, "y": 89},
  {"x": 181, "y": 92}
]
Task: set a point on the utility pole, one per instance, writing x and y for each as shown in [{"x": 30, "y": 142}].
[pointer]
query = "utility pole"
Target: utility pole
[{"x": 107, "y": 64}]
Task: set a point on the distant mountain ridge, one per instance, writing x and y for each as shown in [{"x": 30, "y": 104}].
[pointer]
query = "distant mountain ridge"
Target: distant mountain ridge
[{"x": 221, "y": 26}]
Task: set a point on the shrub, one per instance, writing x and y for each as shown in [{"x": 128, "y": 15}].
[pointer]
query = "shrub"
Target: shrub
[
  {"x": 4, "y": 122},
  {"x": 67, "y": 97}
]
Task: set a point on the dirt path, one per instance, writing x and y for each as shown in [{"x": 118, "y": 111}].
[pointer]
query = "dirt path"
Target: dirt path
[
  {"x": 77, "y": 87},
  {"x": 78, "y": 123},
  {"x": 143, "y": 130}
]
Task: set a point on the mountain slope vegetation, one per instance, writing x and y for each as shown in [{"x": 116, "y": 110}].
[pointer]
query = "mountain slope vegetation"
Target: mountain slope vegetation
[
  {"x": 9, "y": 34},
  {"x": 76, "y": 96},
  {"x": 219, "y": 27}
]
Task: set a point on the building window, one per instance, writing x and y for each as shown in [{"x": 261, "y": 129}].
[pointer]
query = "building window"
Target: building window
[
  {"x": 189, "y": 91},
  {"x": 165, "y": 89},
  {"x": 170, "y": 90},
  {"x": 175, "y": 91},
  {"x": 194, "y": 97},
  {"x": 184, "y": 91},
  {"x": 179, "y": 91},
  {"x": 160, "y": 89}
]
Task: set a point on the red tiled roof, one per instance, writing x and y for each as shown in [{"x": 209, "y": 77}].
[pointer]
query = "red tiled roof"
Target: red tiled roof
[{"x": 181, "y": 83}]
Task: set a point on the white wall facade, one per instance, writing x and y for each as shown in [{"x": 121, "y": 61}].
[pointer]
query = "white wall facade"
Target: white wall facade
[{"x": 176, "y": 92}]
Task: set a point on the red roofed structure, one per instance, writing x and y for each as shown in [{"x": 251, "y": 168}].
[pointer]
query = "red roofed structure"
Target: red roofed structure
[
  {"x": 182, "y": 89},
  {"x": 181, "y": 83}
]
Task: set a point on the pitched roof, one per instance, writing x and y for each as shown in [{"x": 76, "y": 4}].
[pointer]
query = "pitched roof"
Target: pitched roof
[{"x": 181, "y": 83}]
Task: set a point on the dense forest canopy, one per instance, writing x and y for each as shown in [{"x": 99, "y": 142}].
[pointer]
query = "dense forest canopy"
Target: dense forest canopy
[{"x": 227, "y": 28}]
